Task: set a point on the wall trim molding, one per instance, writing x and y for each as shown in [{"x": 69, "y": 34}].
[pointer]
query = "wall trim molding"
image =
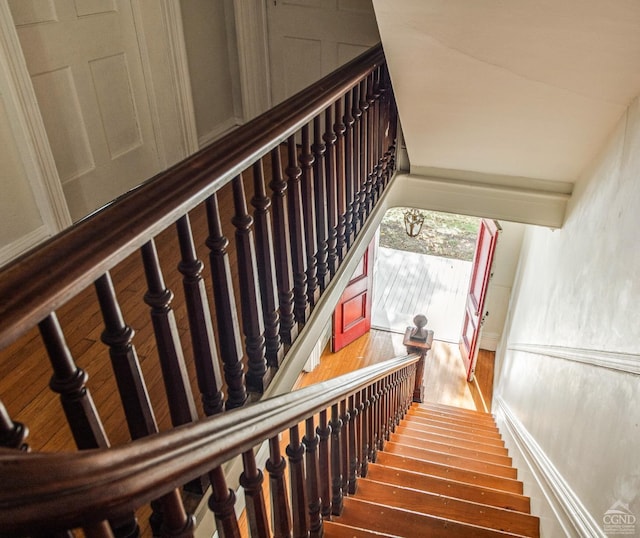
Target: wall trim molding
[
  {"x": 621, "y": 362},
  {"x": 221, "y": 129},
  {"x": 29, "y": 240},
  {"x": 571, "y": 513},
  {"x": 489, "y": 341}
]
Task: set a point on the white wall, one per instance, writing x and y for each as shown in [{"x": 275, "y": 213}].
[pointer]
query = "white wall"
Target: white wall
[
  {"x": 568, "y": 367},
  {"x": 209, "y": 38}
]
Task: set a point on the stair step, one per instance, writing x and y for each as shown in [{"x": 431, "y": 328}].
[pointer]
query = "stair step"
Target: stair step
[
  {"x": 451, "y": 488},
  {"x": 453, "y": 410},
  {"x": 492, "y": 433},
  {"x": 443, "y": 447},
  {"x": 452, "y": 473},
  {"x": 453, "y": 441},
  {"x": 431, "y": 428},
  {"x": 447, "y": 507},
  {"x": 407, "y": 524},
  {"x": 450, "y": 459},
  {"x": 333, "y": 529},
  {"x": 454, "y": 419}
]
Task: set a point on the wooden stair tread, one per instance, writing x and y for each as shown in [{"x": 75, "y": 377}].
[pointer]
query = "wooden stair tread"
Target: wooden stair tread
[
  {"x": 450, "y": 459},
  {"x": 439, "y": 437},
  {"x": 454, "y": 419},
  {"x": 452, "y": 409},
  {"x": 451, "y": 488},
  {"x": 448, "y": 507},
  {"x": 405, "y": 523},
  {"x": 463, "y": 414},
  {"x": 492, "y": 433},
  {"x": 448, "y": 448},
  {"x": 431, "y": 428},
  {"x": 333, "y": 529},
  {"x": 453, "y": 473}
]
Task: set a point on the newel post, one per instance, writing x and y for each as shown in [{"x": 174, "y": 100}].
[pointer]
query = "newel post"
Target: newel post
[{"x": 418, "y": 340}]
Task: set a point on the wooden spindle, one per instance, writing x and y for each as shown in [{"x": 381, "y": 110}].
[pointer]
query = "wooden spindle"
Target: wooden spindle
[
  {"x": 330, "y": 138},
  {"x": 345, "y": 434},
  {"x": 309, "y": 211},
  {"x": 251, "y": 480},
  {"x": 96, "y": 530},
  {"x": 357, "y": 174},
  {"x": 324, "y": 462},
  {"x": 257, "y": 376},
  {"x": 296, "y": 229},
  {"x": 203, "y": 343},
  {"x": 69, "y": 382},
  {"x": 364, "y": 150},
  {"x": 280, "y": 512},
  {"x": 339, "y": 129},
  {"x": 274, "y": 349},
  {"x": 364, "y": 438},
  {"x": 295, "y": 452},
  {"x": 377, "y": 138},
  {"x": 373, "y": 418},
  {"x": 311, "y": 442},
  {"x": 320, "y": 186},
  {"x": 174, "y": 370},
  {"x": 12, "y": 434},
  {"x": 353, "y": 413},
  {"x": 226, "y": 312},
  {"x": 371, "y": 122},
  {"x": 336, "y": 462},
  {"x": 222, "y": 502},
  {"x": 349, "y": 122},
  {"x": 282, "y": 251}
]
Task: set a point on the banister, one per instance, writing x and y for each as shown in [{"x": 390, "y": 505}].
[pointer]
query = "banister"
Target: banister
[
  {"x": 64, "y": 490},
  {"x": 40, "y": 281}
]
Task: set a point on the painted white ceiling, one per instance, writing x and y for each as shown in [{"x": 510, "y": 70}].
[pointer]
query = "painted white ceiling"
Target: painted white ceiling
[{"x": 524, "y": 88}]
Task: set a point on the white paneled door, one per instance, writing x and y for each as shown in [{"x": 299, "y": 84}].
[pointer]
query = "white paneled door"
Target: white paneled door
[
  {"x": 84, "y": 60},
  {"x": 310, "y": 38}
]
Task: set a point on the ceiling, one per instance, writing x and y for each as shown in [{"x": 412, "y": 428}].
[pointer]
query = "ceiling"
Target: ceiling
[{"x": 497, "y": 91}]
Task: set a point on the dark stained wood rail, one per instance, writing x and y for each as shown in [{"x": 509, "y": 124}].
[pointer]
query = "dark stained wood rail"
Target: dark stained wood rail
[{"x": 50, "y": 492}]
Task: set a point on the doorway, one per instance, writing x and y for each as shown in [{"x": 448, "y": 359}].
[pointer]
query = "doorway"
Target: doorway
[{"x": 426, "y": 273}]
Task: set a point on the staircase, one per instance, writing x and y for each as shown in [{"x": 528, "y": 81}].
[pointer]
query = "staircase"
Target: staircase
[{"x": 443, "y": 472}]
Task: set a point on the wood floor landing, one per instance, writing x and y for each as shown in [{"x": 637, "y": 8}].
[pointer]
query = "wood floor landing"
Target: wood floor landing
[{"x": 408, "y": 283}]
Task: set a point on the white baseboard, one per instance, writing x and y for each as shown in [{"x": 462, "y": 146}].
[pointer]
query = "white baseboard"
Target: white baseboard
[
  {"x": 571, "y": 514},
  {"x": 489, "y": 341},
  {"x": 220, "y": 130}
]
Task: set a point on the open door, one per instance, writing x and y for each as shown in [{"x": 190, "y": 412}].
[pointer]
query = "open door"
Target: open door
[
  {"x": 474, "y": 309},
  {"x": 352, "y": 316}
]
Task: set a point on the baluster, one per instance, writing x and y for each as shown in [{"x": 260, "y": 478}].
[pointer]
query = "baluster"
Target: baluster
[
  {"x": 251, "y": 480},
  {"x": 174, "y": 371},
  {"x": 69, "y": 382},
  {"x": 226, "y": 313},
  {"x": 382, "y": 412},
  {"x": 345, "y": 435},
  {"x": 364, "y": 444},
  {"x": 12, "y": 434},
  {"x": 221, "y": 503},
  {"x": 373, "y": 422},
  {"x": 340, "y": 129},
  {"x": 336, "y": 462},
  {"x": 96, "y": 530},
  {"x": 377, "y": 138},
  {"x": 205, "y": 353},
  {"x": 357, "y": 174},
  {"x": 311, "y": 442},
  {"x": 284, "y": 274},
  {"x": 330, "y": 138},
  {"x": 353, "y": 451},
  {"x": 349, "y": 122},
  {"x": 371, "y": 123},
  {"x": 266, "y": 268},
  {"x": 281, "y": 514},
  {"x": 324, "y": 456},
  {"x": 309, "y": 210},
  {"x": 131, "y": 386},
  {"x": 320, "y": 186},
  {"x": 257, "y": 377},
  {"x": 384, "y": 128},
  {"x": 364, "y": 158},
  {"x": 295, "y": 451},
  {"x": 296, "y": 229}
]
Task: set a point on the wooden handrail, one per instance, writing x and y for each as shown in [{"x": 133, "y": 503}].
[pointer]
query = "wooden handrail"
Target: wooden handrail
[
  {"x": 39, "y": 282},
  {"x": 65, "y": 490}
]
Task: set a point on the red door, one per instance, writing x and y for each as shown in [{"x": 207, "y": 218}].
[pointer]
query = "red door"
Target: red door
[
  {"x": 352, "y": 316},
  {"x": 480, "y": 274}
]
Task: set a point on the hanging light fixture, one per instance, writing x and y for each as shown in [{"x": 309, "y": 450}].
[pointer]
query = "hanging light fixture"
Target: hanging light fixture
[{"x": 413, "y": 221}]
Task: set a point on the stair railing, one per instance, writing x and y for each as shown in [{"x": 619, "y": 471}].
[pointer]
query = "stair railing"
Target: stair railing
[
  {"x": 53, "y": 492},
  {"x": 314, "y": 167}
]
